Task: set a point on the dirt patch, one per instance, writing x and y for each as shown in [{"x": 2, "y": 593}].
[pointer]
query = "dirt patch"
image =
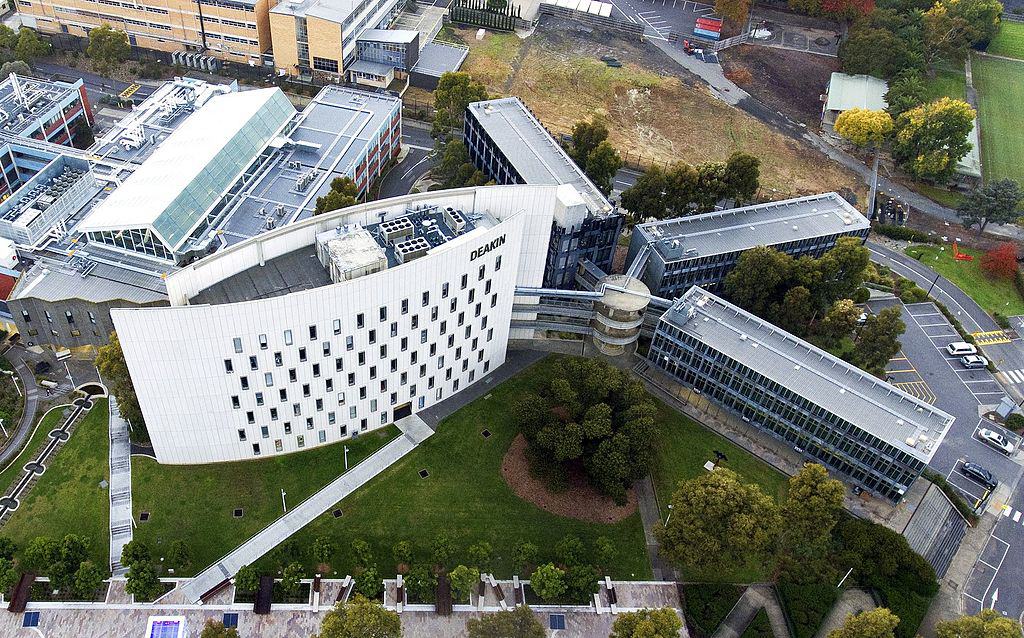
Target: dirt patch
[
  {"x": 789, "y": 81},
  {"x": 580, "y": 501}
]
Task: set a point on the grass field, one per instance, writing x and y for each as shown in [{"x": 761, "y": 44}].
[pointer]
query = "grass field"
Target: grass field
[
  {"x": 682, "y": 452},
  {"x": 991, "y": 294},
  {"x": 195, "y": 503},
  {"x": 946, "y": 83},
  {"x": 999, "y": 85},
  {"x": 68, "y": 498},
  {"x": 1009, "y": 41},
  {"x": 12, "y": 470}
]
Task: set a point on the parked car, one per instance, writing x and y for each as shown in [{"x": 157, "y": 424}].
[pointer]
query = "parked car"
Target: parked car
[
  {"x": 979, "y": 475},
  {"x": 972, "y": 361},
  {"x": 960, "y": 348},
  {"x": 862, "y": 319},
  {"x": 996, "y": 440}
]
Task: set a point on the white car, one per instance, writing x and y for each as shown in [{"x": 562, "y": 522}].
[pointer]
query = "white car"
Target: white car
[
  {"x": 996, "y": 440},
  {"x": 972, "y": 361}
]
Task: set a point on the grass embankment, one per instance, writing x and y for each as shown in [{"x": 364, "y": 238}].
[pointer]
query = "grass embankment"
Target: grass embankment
[
  {"x": 1009, "y": 41},
  {"x": 999, "y": 83},
  {"x": 68, "y": 498},
  {"x": 993, "y": 295},
  {"x": 12, "y": 470},
  {"x": 196, "y": 503}
]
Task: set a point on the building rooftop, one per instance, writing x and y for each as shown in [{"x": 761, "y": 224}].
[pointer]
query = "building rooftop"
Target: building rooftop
[
  {"x": 905, "y": 422},
  {"x": 847, "y": 92},
  {"x": 536, "y": 156},
  {"x": 397, "y": 36},
  {"x": 437, "y": 58},
  {"x": 334, "y": 10},
  {"x": 739, "y": 229},
  {"x": 23, "y": 100}
]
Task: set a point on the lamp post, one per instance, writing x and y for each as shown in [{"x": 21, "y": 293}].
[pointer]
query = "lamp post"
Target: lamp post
[
  {"x": 667, "y": 518},
  {"x": 346, "y": 458},
  {"x": 284, "y": 505}
]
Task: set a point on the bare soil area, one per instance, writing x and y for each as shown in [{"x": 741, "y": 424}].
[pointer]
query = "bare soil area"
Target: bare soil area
[
  {"x": 789, "y": 81},
  {"x": 580, "y": 501}
]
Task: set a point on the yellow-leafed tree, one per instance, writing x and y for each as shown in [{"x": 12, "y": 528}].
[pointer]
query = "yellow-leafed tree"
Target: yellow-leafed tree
[{"x": 864, "y": 127}]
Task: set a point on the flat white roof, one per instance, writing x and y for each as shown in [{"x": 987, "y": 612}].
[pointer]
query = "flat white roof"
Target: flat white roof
[{"x": 847, "y": 92}]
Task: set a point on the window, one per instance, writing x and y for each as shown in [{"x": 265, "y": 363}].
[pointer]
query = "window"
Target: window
[
  {"x": 253, "y": 363},
  {"x": 264, "y": 432},
  {"x": 464, "y": 282},
  {"x": 70, "y": 317},
  {"x": 383, "y": 313},
  {"x": 325, "y": 64},
  {"x": 256, "y": 449},
  {"x": 273, "y": 414},
  {"x": 92, "y": 317},
  {"x": 361, "y": 358},
  {"x": 287, "y": 428},
  {"x": 263, "y": 342},
  {"x": 372, "y": 335},
  {"x": 278, "y": 447},
  {"x": 245, "y": 383},
  {"x": 415, "y": 321},
  {"x": 241, "y": 435},
  {"x": 305, "y": 389},
  {"x": 360, "y": 321},
  {"x": 394, "y": 328},
  {"x": 337, "y": 326},
  {"x": 497, "y": 263},
  {"x": 27, "y": 318},
  {"x": 322, "y": 434},
  {"x": 405, "y": 305},
  {"x": 302, "y": 354},
  {"x": 278, "y": 359},
  {"x": 327, "y": 348},
  {"x": 426, "y": 299},
  {"x": 481, "y": 273},
  {"x": 259, "y": 398},
  {"x": 228, "y": 366},
  {"x": 309, "y": 423},
  {"x": 444, "y": 290},
  {"x": 292, "y": 376},
  {"x": 329, "y": 385},
  {"x": 316, "y": 369},
  {"x": 250, "y": 417},
  {"x": 349, "y": 344},
  {"x": 312, "y": 333},
  {"x": 238, "y": 344},
  {"x": 287, "y": 337},
  {"x": 339, "y": 364},
  {"x": 319, "y": 405},
  {"x": 268, "y": 378},
  {"x": 235, "y": 403}
]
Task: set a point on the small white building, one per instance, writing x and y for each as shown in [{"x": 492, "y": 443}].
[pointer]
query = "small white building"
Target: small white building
[{"x": 845, "y": 92}]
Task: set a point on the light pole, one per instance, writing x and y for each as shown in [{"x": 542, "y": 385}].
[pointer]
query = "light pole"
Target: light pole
[
  {"x": 346, "y": 458},
  {"x": 284, "y": 505},
  {"x": 667, "y": 518},
  {"x": 3, "y": 428}
]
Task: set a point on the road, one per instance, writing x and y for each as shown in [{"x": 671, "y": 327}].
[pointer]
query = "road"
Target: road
[
  {"x": 28, "y": 385},
  {"x": 418, "y": 160},
  {"x": 94, "y": 84}
]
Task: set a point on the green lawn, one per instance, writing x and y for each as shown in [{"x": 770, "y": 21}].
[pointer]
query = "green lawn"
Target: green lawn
[
  {"x": 947, "y": 82},
  {"x": 68, "y": 498},
  {"x": 465, "y": 496},
  {"x": 12, "y": 470},
  {"x": 944, "y": 196},
  {"x": 682, "y": 452},
  {"x": 1009, "y": 41},
  {"x": 991, "y": 294},
  {"x": 999, "y": 85},
  {"x": 195, "y": 503}
]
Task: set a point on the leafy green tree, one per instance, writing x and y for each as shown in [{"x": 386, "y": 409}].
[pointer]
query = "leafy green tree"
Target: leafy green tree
[
  {"x": 811, "y": 509},
  {"x": 455, "y": 169},
  {"x": 647, "y": 623},
  {"x": 930, "y": 139},
  {"x": 41, "y": 553},
  {"x": 886, "y": 43},
  {"x": 711, "y": 186},
  {"x": 864, "y": 127},
  {"x": 646, "y": 197},
  {"x": 480, "y": 555},
  {"x": 597, "y": 421},
  {"x": 734, "y": 10},
  {"x": 874, "y": 623},
  {"x": 570, "y": 550},
  {"x": 402, "y": 552},
  {"x": 7, "y": 548},
  {"x": 586, "y": 137},
  {"x": 216, "y": 629},
  {"x": 108, "y": 47},
  {"x": 837, "y": 274},
  {"x": 952, "y": 27},
  {"x": 565, "y": 441},
  {"x": 344, "y": 193},
  {"x": 759, "y": 279},
  {"x": 369, "y": 583},
  {"x": 987, "y": 624},
  {"x": 421, "y": 584},
  {"x": 795, "y": 311},
  {"x": 247, "y": 579},
  {"x": 524, "y": 555},
  {"x": 323, "y": 549},
  {"x": 15, "y": 66},
  {"x": 135, "y": 551},
  {"x": 142, "y": 581},
  {"x": 290, "y": 577},
  {"x": 548, "y": 581},
  {"x": 604, "y": 552},
  {"x": 602, "y": 165},
  {"x": 360, "y": 618},
  {"x": 837, "y": 323},
  {"x": 518, "y": 622},
  {"x": 363, "y": 555},
  {"x": 455, "y": 91},
  {"x": 179, "y": 554},
  {"x": 443, "y": 548},
  {"x": 742, "y": 176},
  {"x": 905, "y": 93},
  {"x": 879, "y": 340},
  {"x": 88, "y": 580},
  {"x": 999, "y": 202},
  {"x": 114, "y": 370},
  {"x": 464, "y": 580},
  {"x": 30, "y": 46},
  {"x": 8, "y": 575},
  {"x": 581, "y": 582},
  {"x": 717, "y": 518}
]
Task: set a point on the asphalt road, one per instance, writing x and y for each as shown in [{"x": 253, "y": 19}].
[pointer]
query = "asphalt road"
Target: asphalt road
[
  {"x": 94, "y": 84},
  {"x": 28, "y": 386}
]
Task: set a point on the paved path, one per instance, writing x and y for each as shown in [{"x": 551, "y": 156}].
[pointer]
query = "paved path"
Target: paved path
[
  {"x": 853, "y": 601},
  {"x": 754, "y": 598},
  {"x": 650, "y": 515},
  {"x": 120, "y": 493},
  {"x": 28, "y": 417},
  {"x": 414, "y": 431}
]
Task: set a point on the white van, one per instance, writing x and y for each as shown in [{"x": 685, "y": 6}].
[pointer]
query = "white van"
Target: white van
[{"x": 960, "y": 348}]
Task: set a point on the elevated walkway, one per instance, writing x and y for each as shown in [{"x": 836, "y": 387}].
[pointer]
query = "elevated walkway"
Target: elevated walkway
[
  {"x": 936, "y": 529},
  {"x": 122, "y": 523}
]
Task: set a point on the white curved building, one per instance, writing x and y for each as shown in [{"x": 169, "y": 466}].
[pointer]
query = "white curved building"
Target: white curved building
[{"x": 337, "y": 324}]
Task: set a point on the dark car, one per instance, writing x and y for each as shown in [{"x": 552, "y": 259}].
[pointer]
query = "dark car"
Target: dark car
[
  {"x": 979, "y": 475},
  {"x": 42, "y": 367}
]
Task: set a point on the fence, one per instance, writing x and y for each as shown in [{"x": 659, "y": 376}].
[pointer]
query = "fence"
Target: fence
[
  {"x": 1013, "y": 17},
  {"x": 624, "y": 27}
]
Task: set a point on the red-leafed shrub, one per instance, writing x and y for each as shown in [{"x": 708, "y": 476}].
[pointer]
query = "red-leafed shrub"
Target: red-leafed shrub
[{"x": 1000, "y": 262}]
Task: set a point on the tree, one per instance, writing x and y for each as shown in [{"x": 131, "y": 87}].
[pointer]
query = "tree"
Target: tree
[
  {"x": 570, "y": 550},
  {"x": 518, "y": 622},
  {"x": 905, "y": 93},
  {"x": 247, "y": 579},
  {"x": 216, "y": 629},
  {"x": 464, "y": 580},
  {"x": 846, "y": 9},
  {"x": 88, "y": 580},
  {"x": 524, "y": 555},
  {"x": 143, "y": 583},
  {"x": 586, "y": 137},
  {"x": 108, "y": 47},
  {"x": 402, "y": 552},
  {"x": 837, "y": 323},
  {"x": 8, "y": 576},
  {"x": 879, "y": 340},
  {"x": 646, "y": 197},
  {"x": 717, "y": 518},
  {"x": 455, "y": 169},
  {"x": 15, "y": 66},
  {"x": 179, "y": 554},
  {"x": 363, "y": 555},
  {"x": 734, "y": 10},
  {"x": 951, "y": 27},
  {"x": 930, "y": 139},
  {"x": 7, "y": 548},
  {"x": 291, "y": 577},
  {"x": 742, "y": 176},
  {"x": 581, "y": 582},
  {"x": 344, "y": 193},
  {"x": 988, "y": 624},
  {"x": 759, "y": 279},
  {"x": 795, "y": 311},
  {"x": 40, "y": 554},
  {"x": 885, "y": 44},
  {"x": 711, "y": 186},
  {"x": 323, "y": 548},
  {"x": 548, "y": 582},
  {"x": 135, "y": 551},
  {"x": 454, "y": 93},
  {"x": 604, "y": 552},
  {"x": 864, "y": 127},
  {"x": 602, "y": 165},
  {"x": 998, "y": 202},
  {"x": 369, "y": 583},
  {"x": 480, "y": 555},
  {"x": 811, "y": 509},
  {"x": 874, "y": 623},
  {"x": 647, "y": 623},
  {"x": 360, "y": 618},
  {"x": 1001, "y": 261},
  {"x": 421, "y": 584},
  {"x": 443, "y": 548},
  {"x": 114, "y": 370},
  {"x": 30, "y": 46}
]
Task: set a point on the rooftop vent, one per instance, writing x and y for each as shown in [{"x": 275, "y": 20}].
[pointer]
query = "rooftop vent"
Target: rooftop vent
[
  {"x": 795, "y": 227},
  {"x": 911, "y": 441}
]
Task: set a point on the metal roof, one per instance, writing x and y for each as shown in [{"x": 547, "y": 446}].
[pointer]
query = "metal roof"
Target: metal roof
[
  {"x": 847, "y": 92},
  {"x": 738, "y": 229},
  {"x": 848, "y": 392},
  {"x": 527, "y": 145},
  {"x": 397, "y": 36}
]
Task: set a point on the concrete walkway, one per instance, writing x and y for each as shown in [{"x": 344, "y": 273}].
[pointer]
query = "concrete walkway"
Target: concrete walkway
[
  {"x": 414, "y": 432},
  {"x": 121, "y": 521},
  {"x": 755, "y": 598},
  {"x": 28, "y": 416},
  {"x": 853, "y": 601},
  {"x": 650, "y": 515}
]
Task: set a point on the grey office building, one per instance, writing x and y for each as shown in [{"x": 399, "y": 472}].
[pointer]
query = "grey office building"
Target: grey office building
[
  {"x": 511, "y": 146},
  {"x": 672, "y": 255},
  {"x": 872, "y": 434}
]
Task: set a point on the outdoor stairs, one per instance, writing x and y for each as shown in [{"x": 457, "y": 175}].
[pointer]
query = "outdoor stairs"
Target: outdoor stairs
[{"x": 935, "y": 530}]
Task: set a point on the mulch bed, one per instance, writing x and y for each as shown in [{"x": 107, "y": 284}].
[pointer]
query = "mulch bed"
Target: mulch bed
[{"x": 581, "y": 501}]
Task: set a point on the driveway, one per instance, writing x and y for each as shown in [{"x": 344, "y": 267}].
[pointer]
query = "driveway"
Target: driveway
[{"x": 28, "y": 385}]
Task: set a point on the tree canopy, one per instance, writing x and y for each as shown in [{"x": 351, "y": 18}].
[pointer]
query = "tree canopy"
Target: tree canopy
[
  {"x": 344, "y": 193},
  {"x": 873, "y": 623},
  {"x": 455, "y": 91},
  {"x": 998, "y": 202},
  {"x": 879, "y": 340},
  {"x": 930, "y": 139},
  {"x": 216, "y": 629},
  {"x": 360, "y": 618},
  {"x": 114, "y": 370},
  {"x": 683, "y": 189},
  {"x": 647, "y": 623},
  {"x": 987, "y": 624},
  {"x": 811, "y": 509},
  {"x": 455, "y": 169},
  {"x": 864, "y": 127},
  {"x": 514, "y": 623},
  {"x": 108, "y": 46}
]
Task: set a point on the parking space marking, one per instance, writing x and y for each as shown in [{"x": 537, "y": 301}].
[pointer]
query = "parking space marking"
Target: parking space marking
[
  {"x": 991, "y": 337},
  {"x": 1016, "y": 517}
]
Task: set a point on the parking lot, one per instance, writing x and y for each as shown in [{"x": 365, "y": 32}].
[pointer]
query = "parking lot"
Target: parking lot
[{"x": 662, "y": 17}]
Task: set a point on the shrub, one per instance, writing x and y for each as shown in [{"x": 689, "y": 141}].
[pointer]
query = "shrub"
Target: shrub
[
  {"x": 290, "y": 578},
  {"x": 1000, "y": 262},
  {"x": 442, "y": 549},
  {"x": 1001, "y": 320},
  {"x": 363, "y": 555},
  {"x": 463, "y": 580},
  {"x": 369, "y": 583},
  {"x": 861, "y": 295},
  {"x": 1015, "y": 422},
  {"x": 581, "y": 583},
  {"x": 524, "y": 556},
  {"x": 759, "y": 627},
  {"x": 402, "y": 552},
  {"x": 421, "y": 584},
  {"x": 480, "y": 555},
  {"x": 548, "y": 582},
  {"x": 707, "y": 605},
  {"x": 913, "y": 294},
  {"x": 570, "y": 551},
  {"x": 952, "y": 494},
  {"x": 903, "y": 233},
  {"x": 247, "y": 579},
  {"x": 807, "y": 605}
]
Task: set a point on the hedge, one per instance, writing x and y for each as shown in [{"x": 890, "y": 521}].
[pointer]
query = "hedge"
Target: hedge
[
  {"x": 759, "y": 627},
  {"x": 807, "y": 605},
  {"x": 905, "y": 234},
  {"x": 953, "y": 494},
  {"x": 708, "y": 604}
]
